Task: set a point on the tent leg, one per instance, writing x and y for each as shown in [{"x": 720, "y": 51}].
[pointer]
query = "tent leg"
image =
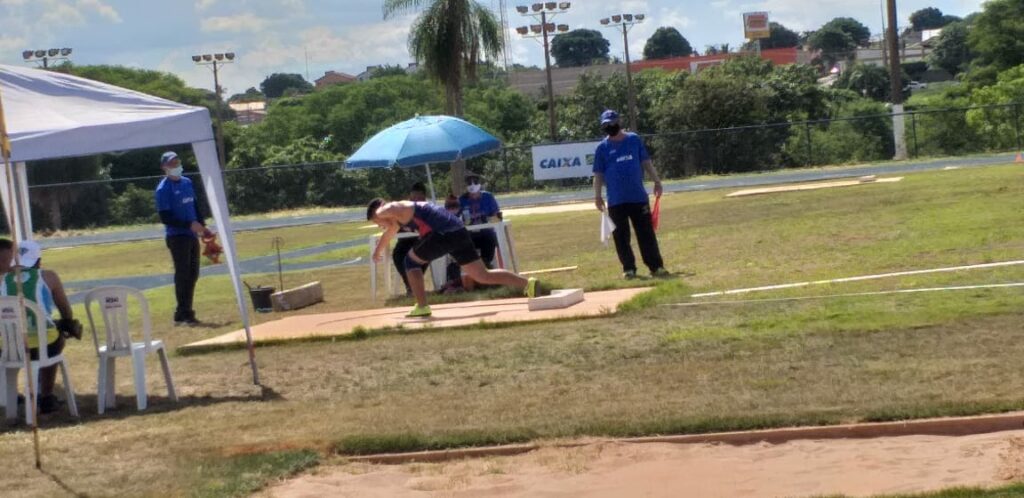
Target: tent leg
[{"x": 430, "y": 181}]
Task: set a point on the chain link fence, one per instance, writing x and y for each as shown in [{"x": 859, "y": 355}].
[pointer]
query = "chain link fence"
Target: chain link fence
[{"x": 741, "y": 149}]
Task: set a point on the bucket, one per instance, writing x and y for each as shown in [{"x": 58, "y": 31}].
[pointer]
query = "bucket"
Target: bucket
[{"x": 261, "y": 298}]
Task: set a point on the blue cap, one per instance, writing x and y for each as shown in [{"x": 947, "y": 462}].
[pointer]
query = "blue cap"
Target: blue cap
[
  {"x": 167, "y": 158},
  {"x": 609, "y": 116}
]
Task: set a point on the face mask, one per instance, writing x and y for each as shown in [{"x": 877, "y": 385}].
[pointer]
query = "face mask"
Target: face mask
[
  {"x": 176, "y": 171},
  {"x": 611, "y": 129},
  {"x": 474, "y": 188}
]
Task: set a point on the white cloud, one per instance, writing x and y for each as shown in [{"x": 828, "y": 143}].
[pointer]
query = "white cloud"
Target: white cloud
[
  {"x": 12, "y": 44},
  {"x": 234, "y": 24},
  {"x": 103, "y": 9},
  {"x": 202, "y": 5}
]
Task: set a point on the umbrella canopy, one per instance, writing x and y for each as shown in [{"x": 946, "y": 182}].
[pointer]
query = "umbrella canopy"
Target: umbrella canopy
[{"x": 423, "y": 140}]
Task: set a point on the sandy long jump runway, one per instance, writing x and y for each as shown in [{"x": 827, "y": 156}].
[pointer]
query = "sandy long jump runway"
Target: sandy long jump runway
[
  {"x": 445, "y": 315},
  {"x": 853, "y": 467}
]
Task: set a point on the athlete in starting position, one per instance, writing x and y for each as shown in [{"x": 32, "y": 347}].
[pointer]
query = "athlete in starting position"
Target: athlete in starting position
[{"x": 441, "y": 233}]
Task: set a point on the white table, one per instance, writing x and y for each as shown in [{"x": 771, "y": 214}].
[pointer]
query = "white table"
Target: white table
[{"x": 506, "y": 256}]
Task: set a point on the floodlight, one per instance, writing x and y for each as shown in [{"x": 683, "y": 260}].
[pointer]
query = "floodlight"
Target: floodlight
[
  {"x": 40, "y": 53},
  {"x": 522, "y": 9},
  {"x": 219, "y": 57},
  {"x": 562, "y": 28},
  {"x": 535, "y": 28},
  {"x": 197, "y": 58},
  {"x": 230, "y": 56},
  {"x": 207, "y": 57},
  {"x": 53, "y": 52},
  {"x": 551, "y": 5},
  {"x": 604, "y": 21},
  {"x": 640, "y": 17},
  {"x": 537, "y": 7},
  {"x": 564, "y": 6},
  {"x": 27, "y": 54},
  {"x": 65, "y": 52},
  {"x": 549, "y": 27},
  {"x": 627, "y": 17},
  {"x": 616, "y": 18},
  {"x": 523, "y": 30}
]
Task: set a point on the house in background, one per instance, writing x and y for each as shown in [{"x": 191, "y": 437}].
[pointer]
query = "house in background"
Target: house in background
[
  {"x": 334, "y": 78},
  {"x": 247, "y": 113}
]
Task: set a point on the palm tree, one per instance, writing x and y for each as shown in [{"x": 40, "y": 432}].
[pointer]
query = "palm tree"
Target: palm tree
[{"x": 448, "y": 39}]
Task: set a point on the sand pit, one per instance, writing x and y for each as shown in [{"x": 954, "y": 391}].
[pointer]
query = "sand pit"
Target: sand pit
[
  {"x": 854, "y": 467},
  {"x": 445, "y": 315},
  {"x": 813, "y": 186}
]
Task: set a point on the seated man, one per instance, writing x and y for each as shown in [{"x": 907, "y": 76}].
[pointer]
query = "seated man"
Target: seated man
[
  {"x": 44, "y": 288},
  {"x": 440, "y": 234},
  {"x": 479, "y": 207},
  {"x": 418, "y": 193}
]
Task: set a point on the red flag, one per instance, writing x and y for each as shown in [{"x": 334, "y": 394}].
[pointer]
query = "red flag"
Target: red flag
[{"x": 656, "y": 212}]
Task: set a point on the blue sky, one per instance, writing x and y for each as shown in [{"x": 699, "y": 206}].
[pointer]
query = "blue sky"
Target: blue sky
[{"x": 348, "y": 35}]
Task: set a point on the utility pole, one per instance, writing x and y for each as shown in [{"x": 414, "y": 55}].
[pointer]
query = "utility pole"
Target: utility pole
[
  {"x": 545, "y": 11},
  {"x": 215, "y": 61},
  {"x": 626, "y": 21},
  {"x": 896, "y": 86},
  {"x": 553, "y": 127}
]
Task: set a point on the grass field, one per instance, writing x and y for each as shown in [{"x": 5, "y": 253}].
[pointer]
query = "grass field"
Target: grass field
[{"x": 650, "y": 369}]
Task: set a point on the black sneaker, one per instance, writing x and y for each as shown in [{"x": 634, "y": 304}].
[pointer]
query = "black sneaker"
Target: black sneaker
[{"x": 629, "y": 274}]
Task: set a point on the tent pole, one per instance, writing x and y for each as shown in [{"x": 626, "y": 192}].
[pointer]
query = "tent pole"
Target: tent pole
[
  {"x": 12, "y": 223},
  {"x": 430, "y": 181}
]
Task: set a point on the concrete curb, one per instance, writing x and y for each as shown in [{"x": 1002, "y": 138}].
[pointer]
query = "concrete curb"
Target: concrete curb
[{"x": 953, "y": 426}]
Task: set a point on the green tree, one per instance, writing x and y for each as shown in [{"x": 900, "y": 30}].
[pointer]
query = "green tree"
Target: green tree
[
  {"x": 996, "y": 125},
  {"x": 780, "y": 37},
  {"x": 250, "y": 95},
  {"x": 867, "y": 80},
  {"x": 952, "y": 53},
  {"x": 277, "y": 84},
  {"x": 388, "y": 70},
  {"x": 930, "y": 18},
  {"x": 860, "y": 33},
  {"x": 667, "y": 42},
  {"x": 579, "y": 47},
  {"x": 997, "y": 34},
  {"x": 833, "y": 44},
  {"x": 447, "y": 39}
]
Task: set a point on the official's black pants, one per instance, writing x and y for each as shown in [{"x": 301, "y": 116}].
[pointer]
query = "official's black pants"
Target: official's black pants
[
  {"x": 185, "y": 254},
  {"x": 639, "y": 214}
]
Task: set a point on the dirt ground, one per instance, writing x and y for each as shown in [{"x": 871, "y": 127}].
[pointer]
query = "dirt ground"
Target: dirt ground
[{"x": 854, "y": 467}]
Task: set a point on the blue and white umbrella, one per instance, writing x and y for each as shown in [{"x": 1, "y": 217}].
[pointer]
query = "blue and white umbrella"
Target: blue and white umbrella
[{"x": 421, "y": 141}]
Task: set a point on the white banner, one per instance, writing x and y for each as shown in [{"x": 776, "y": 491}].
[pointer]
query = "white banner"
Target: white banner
[{"x": 575, "y": 160}]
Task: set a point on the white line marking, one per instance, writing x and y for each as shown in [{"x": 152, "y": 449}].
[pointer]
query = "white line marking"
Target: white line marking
[
  {"x": 858, "y": 279},
  {"x": 855, "y": 294}
]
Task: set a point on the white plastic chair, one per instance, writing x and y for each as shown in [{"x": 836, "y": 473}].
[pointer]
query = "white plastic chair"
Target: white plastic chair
[
  {"x": 113, "y": 305},
  {"x": 12, "y": 359}
]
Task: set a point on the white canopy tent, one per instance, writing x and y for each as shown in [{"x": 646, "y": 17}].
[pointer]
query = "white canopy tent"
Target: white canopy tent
[{"x": 52, "y": 115}]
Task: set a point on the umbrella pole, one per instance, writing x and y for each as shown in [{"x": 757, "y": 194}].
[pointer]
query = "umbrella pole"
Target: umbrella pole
[{"x": 430, "y": 181}]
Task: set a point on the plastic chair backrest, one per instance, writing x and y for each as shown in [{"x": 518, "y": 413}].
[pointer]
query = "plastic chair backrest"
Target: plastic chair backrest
[
  {"x": 112, "y": 301},
  {"x": 10, "y": 323}
]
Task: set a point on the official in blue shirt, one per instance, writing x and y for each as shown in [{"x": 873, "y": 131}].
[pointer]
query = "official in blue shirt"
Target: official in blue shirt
[
  {"x": 619, "y": 164},
  {"x": 179, "y": 212},
  {"x": 478, "y": 207}
]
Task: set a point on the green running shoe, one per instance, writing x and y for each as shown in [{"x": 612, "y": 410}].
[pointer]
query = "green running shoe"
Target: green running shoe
[
  {"x": 531, "y": 288},
  {"x": 419, "y": 312}
]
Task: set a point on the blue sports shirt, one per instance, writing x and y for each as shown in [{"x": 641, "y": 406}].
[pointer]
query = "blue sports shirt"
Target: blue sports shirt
[
  {"x": 479, "y": 209},
  {"x": 620, "y": 162},
  {"x": 179, "y": 198}
]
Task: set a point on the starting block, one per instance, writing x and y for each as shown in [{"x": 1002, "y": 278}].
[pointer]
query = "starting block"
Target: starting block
[{"x": 558, "y": 299}]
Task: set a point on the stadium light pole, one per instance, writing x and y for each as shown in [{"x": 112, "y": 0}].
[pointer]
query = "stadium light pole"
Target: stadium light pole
[
  {"x": 625, "y": 22},
  {"x": 545, "y": 12},
  {"x": 896, "y": 86},
  {"x": 47, "y": 55},
  {"x": 214, "y": 61}
]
